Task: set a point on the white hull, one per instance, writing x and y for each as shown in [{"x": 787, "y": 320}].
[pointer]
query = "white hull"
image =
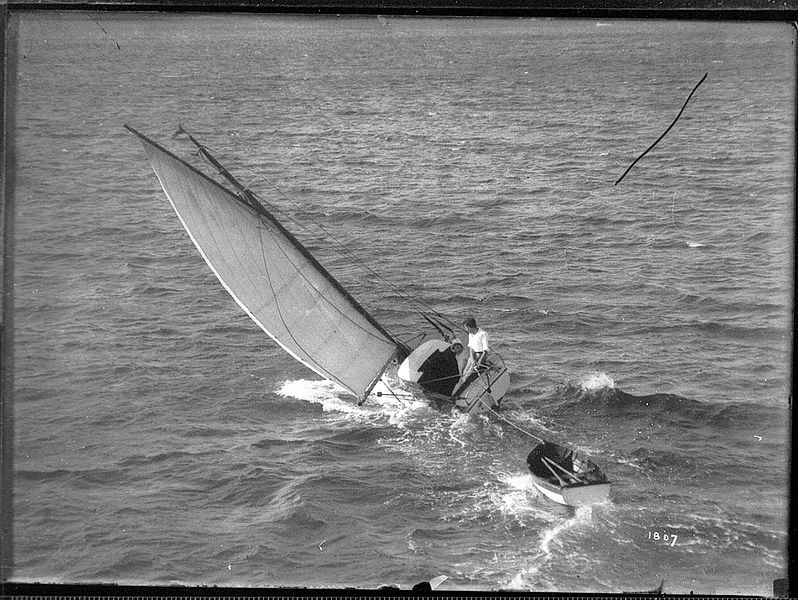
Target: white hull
[{"x": 573, "y": 495}]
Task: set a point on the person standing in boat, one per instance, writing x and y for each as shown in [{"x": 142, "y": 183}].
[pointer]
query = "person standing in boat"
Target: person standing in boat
[{"x": 478, "y": 350}]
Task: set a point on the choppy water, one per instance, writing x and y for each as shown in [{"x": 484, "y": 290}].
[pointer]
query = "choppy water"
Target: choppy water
[{"x": 160, "y": 436}]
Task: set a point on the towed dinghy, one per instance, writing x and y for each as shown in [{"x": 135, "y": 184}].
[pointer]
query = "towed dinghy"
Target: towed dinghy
[{"x": 567, "y": 476}]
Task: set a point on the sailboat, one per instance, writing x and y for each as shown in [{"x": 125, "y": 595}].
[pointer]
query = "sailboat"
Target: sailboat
[{"x": 297, "y": 302}]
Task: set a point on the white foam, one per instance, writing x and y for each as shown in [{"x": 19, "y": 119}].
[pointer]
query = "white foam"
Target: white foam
[
  {"x": 396, "y": 405},
  {"x": 633, "y": 463},
  {"x": 524, "y": 579},
  {"x": 514, "y": 498},
  {"x": 323, "y": 392},
  {"x": 594, "y": 382},
  {"x": 531, "y": 574},
  {"x": 582, "y": 515},
  {"x": 520, "y": 481}
]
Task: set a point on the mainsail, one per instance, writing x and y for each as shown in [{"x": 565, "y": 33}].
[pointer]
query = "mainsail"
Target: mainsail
[{"x": 274, "y": 278}]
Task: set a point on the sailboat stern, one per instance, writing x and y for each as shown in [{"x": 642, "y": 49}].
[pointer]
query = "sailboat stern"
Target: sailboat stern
[
  {"x": 437, "y": 370},
  {"x": 486, "y": 391},
  {"x": 433, "y": 366}
]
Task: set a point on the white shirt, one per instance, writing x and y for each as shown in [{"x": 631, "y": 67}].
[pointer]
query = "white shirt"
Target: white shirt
[{"x": 478, "y": 342}]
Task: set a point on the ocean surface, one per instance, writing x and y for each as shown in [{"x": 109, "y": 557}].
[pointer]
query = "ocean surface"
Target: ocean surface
[{"x": 161, "y": 436}]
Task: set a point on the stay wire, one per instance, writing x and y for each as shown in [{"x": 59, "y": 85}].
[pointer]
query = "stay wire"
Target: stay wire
[
  {"x": 458, "y": 377},
  {"x": 399, "y": 398}
]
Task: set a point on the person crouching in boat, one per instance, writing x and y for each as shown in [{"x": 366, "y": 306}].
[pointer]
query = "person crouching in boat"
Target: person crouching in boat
[
  {"x": 441, "y": 371},
  {"x": 478, "y": 354},
  {"x": 456, "y": 346}
]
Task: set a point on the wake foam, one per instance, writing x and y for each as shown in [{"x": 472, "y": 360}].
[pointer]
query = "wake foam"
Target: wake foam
[
  {"x": 323, "y": 392},
  {"x": 582, "y": 516},
  {"x": 384, "y": 402},
  {"x": 552, "y": 548},
  {"x": 513, "y": 495}
]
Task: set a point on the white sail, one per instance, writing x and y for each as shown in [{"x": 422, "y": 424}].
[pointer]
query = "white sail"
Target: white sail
[{"x": 274, "y": 279}]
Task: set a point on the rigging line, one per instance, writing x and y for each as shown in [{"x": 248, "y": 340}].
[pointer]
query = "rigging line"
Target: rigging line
[
  {"x": 407, "y": 342},
  {"x": 485, "y": 404},
  {"x": 443, "y": 318},
  {"x": 435, "y": 325},
  {"x": 385, "y": 383},
  {"x": 343, "y": 249},
  {"x": 629, "y": 168},
  {"x": 458, "y": 377}
]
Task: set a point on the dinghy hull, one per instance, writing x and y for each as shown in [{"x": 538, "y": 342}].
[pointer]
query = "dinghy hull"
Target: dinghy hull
[
  {"x": 566, "y": 476},
  {"x": 573, "y": 496}
]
